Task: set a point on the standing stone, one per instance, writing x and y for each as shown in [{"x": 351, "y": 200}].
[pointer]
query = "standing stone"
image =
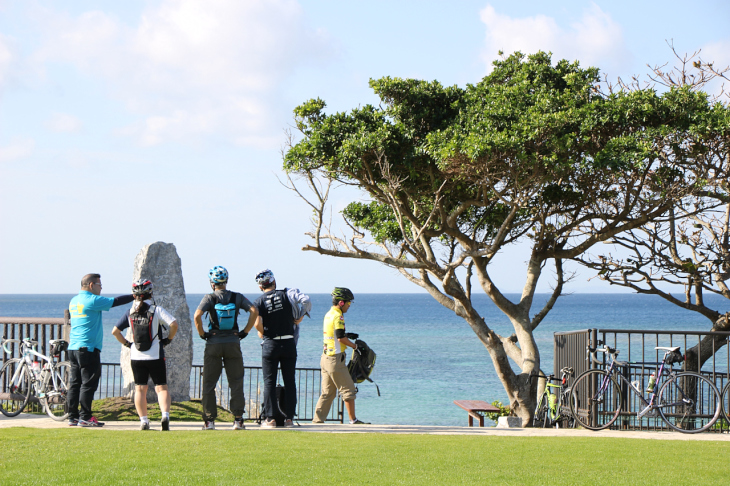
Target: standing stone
[{"x": 159, "y": 262}]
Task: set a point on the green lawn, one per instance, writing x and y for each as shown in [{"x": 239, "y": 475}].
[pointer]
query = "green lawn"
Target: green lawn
[{"x": 97, "y": 456}]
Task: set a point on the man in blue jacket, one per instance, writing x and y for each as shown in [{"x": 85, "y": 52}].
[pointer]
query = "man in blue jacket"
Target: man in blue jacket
[{"x": 84, "y": 349}]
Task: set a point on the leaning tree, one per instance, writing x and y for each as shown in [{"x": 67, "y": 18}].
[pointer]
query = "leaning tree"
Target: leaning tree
[
  {"x": 534, "y": 154},
  {"x": 685, "y": 254}
]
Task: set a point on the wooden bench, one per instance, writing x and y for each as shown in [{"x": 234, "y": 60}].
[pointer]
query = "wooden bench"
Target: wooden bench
[{"x": 475, "y": 408}]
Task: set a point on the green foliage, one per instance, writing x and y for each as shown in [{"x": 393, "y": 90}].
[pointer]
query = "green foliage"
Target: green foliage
[
  {"x": 375, "y": 218},
  {"x": 504, "y": 411},
  {"x": 531, "y": 133}
]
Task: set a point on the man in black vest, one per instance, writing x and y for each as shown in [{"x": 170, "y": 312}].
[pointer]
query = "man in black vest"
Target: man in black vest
[
  {"x": 222, "y": 346},
  {"x": 276, "y": 325}
]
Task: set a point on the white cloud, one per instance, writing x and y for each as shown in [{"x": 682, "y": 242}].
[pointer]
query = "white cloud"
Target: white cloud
[
  {"x": 595, "y": 40},
  {"x": 189, "y": 67},
  {"x": 18, "y": 148},
  {"x": 63, "y": 123},
  {"x": 6, "y": 60}
]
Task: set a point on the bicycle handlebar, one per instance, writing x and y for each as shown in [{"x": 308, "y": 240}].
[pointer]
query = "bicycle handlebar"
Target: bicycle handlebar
[
  {"x": 9, "y": 341},
  {"x": 25, "y": 342},
  {"x": 565, "y": 371}
]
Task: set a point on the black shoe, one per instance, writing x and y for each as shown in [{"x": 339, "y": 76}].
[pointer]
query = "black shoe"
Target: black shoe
[{"x": 165, "y": 424}]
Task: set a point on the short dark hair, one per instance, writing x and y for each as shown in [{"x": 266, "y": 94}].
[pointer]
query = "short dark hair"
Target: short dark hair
[
  {"x": 89, "y": 278},
  {"x": 337, "y": 300},
  {"x": 270, "y": 285}
]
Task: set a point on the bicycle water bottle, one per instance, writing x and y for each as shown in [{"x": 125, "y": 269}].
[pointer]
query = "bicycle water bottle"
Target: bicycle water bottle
[
  {"x": 552, "y": 400},
  {"x": 652, "y": 382},
  {"x": 44, "y": 373}
]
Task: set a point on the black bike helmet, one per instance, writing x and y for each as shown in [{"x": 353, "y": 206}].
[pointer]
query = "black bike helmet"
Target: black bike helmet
[{"x": 343, "y": 294}]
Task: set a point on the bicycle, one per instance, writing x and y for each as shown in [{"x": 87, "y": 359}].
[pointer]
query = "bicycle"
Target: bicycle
[
  {"x": 686, "y": 401},
  {"x": 35, "y": 373},
  {"x": 552, "y": 405},
  {"x": 725, "y": 394}
]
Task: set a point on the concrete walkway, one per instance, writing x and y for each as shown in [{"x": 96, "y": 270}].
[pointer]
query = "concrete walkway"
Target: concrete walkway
[{"x": 44, "y": 422}]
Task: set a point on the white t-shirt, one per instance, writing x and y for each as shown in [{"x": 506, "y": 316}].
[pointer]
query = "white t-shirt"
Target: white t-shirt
[{"x": 161, "y": 317}]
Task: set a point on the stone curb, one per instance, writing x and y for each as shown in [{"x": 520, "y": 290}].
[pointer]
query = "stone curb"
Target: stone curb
[{"x": 43, "y": 422}]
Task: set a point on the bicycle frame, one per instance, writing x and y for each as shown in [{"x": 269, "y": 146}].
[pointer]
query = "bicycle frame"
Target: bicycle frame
[{"x": 650, "y": 406}]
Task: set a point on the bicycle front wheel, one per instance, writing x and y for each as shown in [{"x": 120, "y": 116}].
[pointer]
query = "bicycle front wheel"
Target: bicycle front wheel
[
  {"x": 688, "y": 402},
  {"x": 15, "y": 387},
  {"x": 595, "y": 400},
  {"x": 56, "y": 391}
]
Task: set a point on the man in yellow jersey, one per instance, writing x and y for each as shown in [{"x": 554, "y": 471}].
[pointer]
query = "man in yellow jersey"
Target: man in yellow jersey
[{"x": 335, "y": 375}]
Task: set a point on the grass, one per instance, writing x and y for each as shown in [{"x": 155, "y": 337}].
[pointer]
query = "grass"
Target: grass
[
  {"x": 98, "y": 456},
  {"x": 120, "y": 408}
]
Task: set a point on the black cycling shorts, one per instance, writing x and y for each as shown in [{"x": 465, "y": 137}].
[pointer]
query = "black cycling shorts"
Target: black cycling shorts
[{"x": 154, "y": 368}]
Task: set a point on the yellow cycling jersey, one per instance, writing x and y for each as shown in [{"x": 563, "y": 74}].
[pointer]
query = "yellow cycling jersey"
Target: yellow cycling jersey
[{"x": 333, "y": 320}]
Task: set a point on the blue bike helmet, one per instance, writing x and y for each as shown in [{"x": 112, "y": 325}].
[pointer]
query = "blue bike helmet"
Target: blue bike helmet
[
  {"x": 265, "y": 277},
  {"x": 218, "y": 275}
]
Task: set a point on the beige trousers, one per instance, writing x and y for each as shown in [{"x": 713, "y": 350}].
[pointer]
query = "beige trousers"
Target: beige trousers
[{"x": 334, "y": 377}]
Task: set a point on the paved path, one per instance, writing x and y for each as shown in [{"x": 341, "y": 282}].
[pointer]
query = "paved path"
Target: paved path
[{"x": 43, "y": 422}]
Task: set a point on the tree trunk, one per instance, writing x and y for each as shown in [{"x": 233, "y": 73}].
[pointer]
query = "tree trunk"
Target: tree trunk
[{"x": 697, "y": 355}]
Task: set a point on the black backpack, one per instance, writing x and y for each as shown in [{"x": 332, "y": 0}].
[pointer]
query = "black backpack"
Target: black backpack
[
  {"x": 279, "y": 414},
  {"x": 141, "y": 324},
  {"x": 362, "y": 363}
]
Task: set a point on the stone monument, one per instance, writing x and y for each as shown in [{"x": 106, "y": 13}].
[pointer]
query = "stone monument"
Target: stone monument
[{"x": 160, "y": 263}]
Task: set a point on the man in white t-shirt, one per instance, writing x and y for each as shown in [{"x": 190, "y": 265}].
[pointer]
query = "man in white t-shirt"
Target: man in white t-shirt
[{"x": 146, "y": 349}]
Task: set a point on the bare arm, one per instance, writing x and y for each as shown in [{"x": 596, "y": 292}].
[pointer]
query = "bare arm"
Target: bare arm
[
  {"x": 346, "y": 341},
  {"x": 259, "y": 324},
  {"x": 198, "y": 320},
  {"x": 173, "y": 330},
  {"x": 118, "y": 334},
  {"x": 253, "y": 315}
]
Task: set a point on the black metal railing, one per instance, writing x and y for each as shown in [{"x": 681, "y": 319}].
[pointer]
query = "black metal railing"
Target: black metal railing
[
  {"x": 43, "y": 330},
  {"x": 637, "y": 348},
  {"x": 308, "y": 390},
  {"x": 39, "y": 329}
]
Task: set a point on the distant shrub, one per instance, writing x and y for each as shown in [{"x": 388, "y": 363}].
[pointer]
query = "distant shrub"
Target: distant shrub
[{"x": 504, "y": 411}]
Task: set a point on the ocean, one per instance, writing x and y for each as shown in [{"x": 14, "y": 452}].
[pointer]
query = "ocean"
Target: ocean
[{"x": 427, "y": 356}]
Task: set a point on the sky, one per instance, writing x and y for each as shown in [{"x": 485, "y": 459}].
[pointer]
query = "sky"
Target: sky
[{"x": 126, "y": 123}]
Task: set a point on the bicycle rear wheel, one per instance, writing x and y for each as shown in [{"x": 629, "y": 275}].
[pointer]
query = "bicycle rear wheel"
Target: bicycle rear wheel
[
  {"x": 595, "y": 400},
  {"x": 15, "y": 390},
  {"x": 725, "y": 395},
  {"x": 689, "y": 403},
  {"x": 567, "y": 421},
  {"x": 541, "y": 412},
  {"x": 55, "y": 399}
]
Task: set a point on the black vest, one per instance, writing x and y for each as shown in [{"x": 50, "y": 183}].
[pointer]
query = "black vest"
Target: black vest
[{"x": 276, "y": 312}]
